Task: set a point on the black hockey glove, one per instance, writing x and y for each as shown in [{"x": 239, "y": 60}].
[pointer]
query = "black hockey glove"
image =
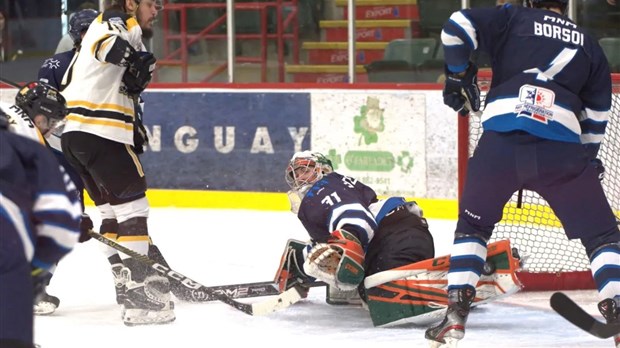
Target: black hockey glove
[
  {"x": 600, "y": 169},
  {"x": 40, "y": 279},
  {"x": 86, "y": 224},
  {"x": 139, "y": 72},
  {"x": 462, "y": 88}
]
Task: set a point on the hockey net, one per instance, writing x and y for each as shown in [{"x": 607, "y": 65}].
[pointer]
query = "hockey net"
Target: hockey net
[{"x": 552, "y": 262}]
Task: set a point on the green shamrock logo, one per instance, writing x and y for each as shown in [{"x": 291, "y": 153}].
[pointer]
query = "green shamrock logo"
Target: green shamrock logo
[{"x": 369, "y": 122}]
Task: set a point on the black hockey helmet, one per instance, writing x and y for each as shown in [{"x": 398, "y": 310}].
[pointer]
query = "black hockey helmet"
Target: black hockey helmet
[
  {"x": 39, "y": 98},
  {"x": 562, "y": 4},
  {"x": 79, "y": 23}
]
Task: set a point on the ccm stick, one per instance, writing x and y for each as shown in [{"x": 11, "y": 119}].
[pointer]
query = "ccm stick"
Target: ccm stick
[
  {"x": 572, "y": 312},
  {"x": 273, "y": 304}
]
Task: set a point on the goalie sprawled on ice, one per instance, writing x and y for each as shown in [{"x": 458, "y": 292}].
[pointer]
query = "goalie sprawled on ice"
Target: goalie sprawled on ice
[{"x": 376, "y": 251}]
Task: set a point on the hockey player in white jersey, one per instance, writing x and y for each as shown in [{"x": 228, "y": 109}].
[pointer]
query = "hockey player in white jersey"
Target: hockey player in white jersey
[{"x": 104, "y": 130}]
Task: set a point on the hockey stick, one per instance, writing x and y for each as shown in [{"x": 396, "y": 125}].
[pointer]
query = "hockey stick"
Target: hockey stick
[
  {"x": 572, "y": 312},
  {"x": 246, "y": 290},
  {"x": 281, "y": 301},
  {"x": 9, "y": 82}
]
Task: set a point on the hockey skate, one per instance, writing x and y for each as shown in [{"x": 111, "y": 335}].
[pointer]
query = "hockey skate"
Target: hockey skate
[
  {"x": 148, "y": 302},
  {"x": 47, "y": 305},
  {"x": 452, "y": 328},
  {"x": 120, "y": 279},
  {"x": 610, "y": 309}
]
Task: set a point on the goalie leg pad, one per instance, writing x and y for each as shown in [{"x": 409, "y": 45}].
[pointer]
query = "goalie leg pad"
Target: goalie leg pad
[
  {"x": 339, "y": 262},
  {"x": 417, "y": 293}
]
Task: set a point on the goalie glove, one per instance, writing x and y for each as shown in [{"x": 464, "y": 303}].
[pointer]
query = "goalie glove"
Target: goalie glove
[
  {"x": 291, "y": 272},
  {"x": 461, "y": 90},
  {"x": 339, "y": 262}
]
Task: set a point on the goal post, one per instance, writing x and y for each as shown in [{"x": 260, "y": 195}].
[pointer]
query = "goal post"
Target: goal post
[{"x": 551, "y": 261}]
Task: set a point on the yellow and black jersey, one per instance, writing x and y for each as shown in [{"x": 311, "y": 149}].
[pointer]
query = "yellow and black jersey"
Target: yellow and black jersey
[{"x": 95, "y": 93}]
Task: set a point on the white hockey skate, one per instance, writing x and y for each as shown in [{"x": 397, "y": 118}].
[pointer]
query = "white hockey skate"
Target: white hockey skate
[{"x": 147, "y": 303}]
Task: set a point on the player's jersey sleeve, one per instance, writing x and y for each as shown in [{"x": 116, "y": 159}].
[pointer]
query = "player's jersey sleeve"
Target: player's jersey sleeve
[
  {"x": 38, "y": 200},
  {"x": 54, "y": 68},
  {"x": 595, "y": 95},
  {"x": 113, "y": 26},
  {"x": 550, "y": 78},
  {"x": 338, "y": 202}
]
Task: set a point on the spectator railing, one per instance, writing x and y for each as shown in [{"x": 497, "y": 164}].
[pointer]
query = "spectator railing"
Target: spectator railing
[{"x": 180, "y": 56}]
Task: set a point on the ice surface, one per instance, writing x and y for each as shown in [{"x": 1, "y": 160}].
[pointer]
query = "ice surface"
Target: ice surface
[{"x": 216, "y": 247}]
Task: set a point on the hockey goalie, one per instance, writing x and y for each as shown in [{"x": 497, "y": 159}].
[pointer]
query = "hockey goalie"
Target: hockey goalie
[
  {"x": 376, "y": 252},
  {"x": 412, "y": 294}
]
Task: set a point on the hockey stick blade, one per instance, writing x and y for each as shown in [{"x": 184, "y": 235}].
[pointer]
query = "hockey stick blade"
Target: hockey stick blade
[
  {"x": 277, "y": 302},
  {"x": 572, "y": 312}
]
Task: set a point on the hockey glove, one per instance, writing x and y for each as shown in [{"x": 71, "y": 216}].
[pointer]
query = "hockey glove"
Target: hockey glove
[
  {"x": 40, "y": 279},
  {"x": 291, "y": 272},
  {"x": 339, "y": 262},
  {"x": 600, "y": 169},
  {"x": 461, "y": 90},
  {"x": 86, "y": 224},
  {"x": 139, "y": 72}
]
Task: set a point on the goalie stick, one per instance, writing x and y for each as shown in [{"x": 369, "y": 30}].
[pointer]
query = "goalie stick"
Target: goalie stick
[
  {"x": 281, "y": 301},
  {"x": 572, "y": 312}
]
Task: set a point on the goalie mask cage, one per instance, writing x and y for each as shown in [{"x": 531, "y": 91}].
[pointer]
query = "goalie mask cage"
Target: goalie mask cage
[{"x": 551, "y": 261}]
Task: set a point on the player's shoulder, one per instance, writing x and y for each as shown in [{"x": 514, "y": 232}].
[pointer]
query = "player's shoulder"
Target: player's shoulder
[
  {"x": 115, "y": 15},
  {"x": 13, "y": 112},
  {"x": 58, "y": 60},
  {"x": 120, "y": 18},
  {"x": 24, "y": 146}
]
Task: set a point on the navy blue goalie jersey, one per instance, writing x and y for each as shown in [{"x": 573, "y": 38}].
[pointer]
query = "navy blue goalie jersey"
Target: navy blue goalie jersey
[
  {"x": 550, "y": 78},
  {"x": 336, "y": 202}
]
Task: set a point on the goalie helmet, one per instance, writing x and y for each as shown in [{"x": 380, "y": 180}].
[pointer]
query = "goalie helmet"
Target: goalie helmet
[
  {"x": 306, "y": 168},
  {"x": 79, "y": 23},
  {"x": 561, "y": 4},
  {"x": 39, "y": 98}
]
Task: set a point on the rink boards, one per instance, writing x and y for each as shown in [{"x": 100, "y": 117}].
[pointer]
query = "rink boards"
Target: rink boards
[{"x": 229, "y": 147}]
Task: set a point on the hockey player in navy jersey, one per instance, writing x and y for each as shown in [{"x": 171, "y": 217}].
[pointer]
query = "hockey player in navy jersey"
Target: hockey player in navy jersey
[
  {"x": 544, "y": 120},
  {"x": 39, "y": 108},
  {"x": 39, "y": 224},
  {"x": 379, "y": 247}
]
